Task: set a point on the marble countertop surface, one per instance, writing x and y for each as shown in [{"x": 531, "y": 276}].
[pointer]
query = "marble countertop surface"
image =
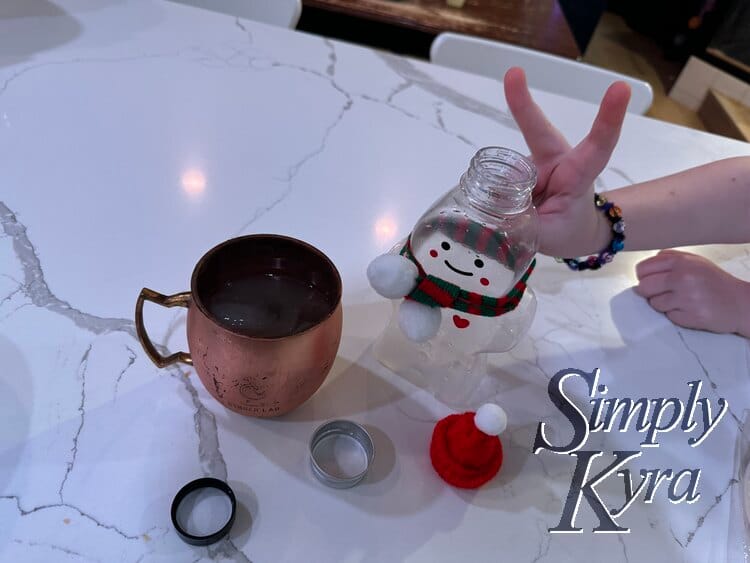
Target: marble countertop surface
[{"x": 136, "y": 135}]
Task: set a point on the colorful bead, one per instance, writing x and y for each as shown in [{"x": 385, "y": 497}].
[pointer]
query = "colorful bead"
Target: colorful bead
[{"x": 614, "y": 214}]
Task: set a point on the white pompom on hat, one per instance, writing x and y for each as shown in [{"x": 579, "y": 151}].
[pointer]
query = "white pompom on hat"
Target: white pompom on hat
[
  {"x": 465, "y": 449},
  {"x": 491, "y": 419}
]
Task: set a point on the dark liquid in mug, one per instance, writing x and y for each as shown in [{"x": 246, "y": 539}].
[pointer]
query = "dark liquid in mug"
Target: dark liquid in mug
[{"x": 268, "y": 305}]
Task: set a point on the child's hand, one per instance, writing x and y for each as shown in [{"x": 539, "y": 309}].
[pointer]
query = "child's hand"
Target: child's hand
[
  {"x": 695, "y": 293},
  {"x": 564, "y": 194}
]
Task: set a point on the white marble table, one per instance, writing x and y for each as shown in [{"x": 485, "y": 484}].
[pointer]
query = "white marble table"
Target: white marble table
[{"x": 136, "y": 135}]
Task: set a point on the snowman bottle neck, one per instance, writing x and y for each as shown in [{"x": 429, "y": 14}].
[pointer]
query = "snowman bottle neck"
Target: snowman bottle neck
[{"x": 499, "y": 181}]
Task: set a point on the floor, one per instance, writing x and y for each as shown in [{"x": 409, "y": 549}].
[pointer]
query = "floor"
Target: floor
[{"x": 616, "y": 47}]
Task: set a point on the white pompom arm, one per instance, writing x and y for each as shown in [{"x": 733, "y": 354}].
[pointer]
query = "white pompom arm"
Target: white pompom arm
[
  {"x": 392, "y": 275},
  {"x": 418, "y": 322},
  {"x": 491, "y": 419}
]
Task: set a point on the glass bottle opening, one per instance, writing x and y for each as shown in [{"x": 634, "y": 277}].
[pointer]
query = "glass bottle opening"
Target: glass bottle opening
[{"x": 499, "y": 180}]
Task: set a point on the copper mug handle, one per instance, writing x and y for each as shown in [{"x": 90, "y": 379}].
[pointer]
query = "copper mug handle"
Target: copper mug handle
[{"x": 176, "y": 300}]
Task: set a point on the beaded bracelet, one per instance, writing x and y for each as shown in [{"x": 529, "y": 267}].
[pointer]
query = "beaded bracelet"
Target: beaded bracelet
[{"x": 614, "y": 214}]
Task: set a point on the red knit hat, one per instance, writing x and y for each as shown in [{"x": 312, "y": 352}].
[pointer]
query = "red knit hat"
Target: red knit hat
[
  {"x": 465, "y": 450},
  {"x": 485, "y": 240}
]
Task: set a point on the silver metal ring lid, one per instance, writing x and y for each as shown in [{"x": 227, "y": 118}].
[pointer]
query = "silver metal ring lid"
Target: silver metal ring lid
[{"x": 341, "y": 452}]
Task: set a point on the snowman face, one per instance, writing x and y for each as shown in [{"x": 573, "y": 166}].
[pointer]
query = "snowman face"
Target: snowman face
[{"x": 458, "y": 264}]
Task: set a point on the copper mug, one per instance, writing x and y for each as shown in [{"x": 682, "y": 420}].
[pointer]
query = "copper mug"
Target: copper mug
[{"x": 252, "y": 370}]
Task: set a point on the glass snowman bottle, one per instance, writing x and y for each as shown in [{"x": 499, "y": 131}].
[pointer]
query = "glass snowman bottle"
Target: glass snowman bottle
[{"x": 459, "y": 279}]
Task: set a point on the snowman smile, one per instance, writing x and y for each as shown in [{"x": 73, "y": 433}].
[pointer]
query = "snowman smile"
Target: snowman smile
[{"x": 457, "y": 270}]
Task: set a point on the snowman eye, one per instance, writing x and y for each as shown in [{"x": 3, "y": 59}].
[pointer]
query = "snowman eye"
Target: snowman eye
[
  {"x": 478, "y": 263},
  {"x": 446, "y": 246}
]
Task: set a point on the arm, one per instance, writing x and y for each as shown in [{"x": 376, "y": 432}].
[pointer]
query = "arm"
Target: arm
[
  {"x": 703, "y": 205},
  {"x": 695, "y": 293},
  {"x": 709, "y": 204}
]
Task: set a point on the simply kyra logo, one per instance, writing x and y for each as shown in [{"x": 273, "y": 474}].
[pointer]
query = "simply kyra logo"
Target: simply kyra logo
[{"x": 653, "y": 416}]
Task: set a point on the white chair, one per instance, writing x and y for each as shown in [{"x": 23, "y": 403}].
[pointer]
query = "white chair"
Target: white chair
[
  {"x": 545, "y": 72},
  {"x": 283, "y": 13}
]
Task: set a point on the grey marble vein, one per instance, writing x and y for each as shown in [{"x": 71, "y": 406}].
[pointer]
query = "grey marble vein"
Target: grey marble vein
[
  {"x": 211, "y": 59},
  {"x": 132, "y": 356},
  {"x": 54, "y": 548},
  {"x": 705, "y": 371},
  {"x": 624, "y": 548},
  {"x": 674, "y": 537},
  {"x": 540, "y": 461},
  {"x": 79, "y": 60},
  {"x": 99, "y": 524},
  {"x": 294, "y": 169},
  {"x": 36, "y": 289},
  {"x": 415, "y": 117},
  {"x": 10, "y": 295},
  {"x": 332, "y": 58},
  {"x": 228, "y": 550},
  {"x": 249, "y": 34},
  {"x": 7, "y": 276},
  {"x": 413, "y": 76},
  {"x": 329, "y": 76},
  {"x": 439, "y": 114},
  {"x": 702, "y": 518},
  {"x": 397, "y": 90},
  {"x": 441, "y": 126},
  {"x": 239, "y": 24},
  {"x": 544, "y": 542},
  {"x": 209, "y": 451},
  {"x": 14, "y": 311},
  {"x": 82, "y": 410},
  {"x": 697, "y": 359},
  {"x": 392, "y": 106}
]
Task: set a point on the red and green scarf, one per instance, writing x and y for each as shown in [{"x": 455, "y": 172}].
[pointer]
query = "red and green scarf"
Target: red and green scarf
[{"x": 436, "y": 292}]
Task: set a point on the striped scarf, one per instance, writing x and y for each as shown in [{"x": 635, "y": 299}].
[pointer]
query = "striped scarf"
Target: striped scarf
[{"x": 436, "y": 292}]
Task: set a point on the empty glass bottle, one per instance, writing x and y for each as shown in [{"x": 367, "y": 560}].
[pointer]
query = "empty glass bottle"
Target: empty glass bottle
[{"x": 459, "y": 278}]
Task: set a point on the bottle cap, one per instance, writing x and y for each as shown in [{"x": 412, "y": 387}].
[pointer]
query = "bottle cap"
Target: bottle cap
[
  {"x": 341, "y": 452},
  {"x": 203, "y": 511}
]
